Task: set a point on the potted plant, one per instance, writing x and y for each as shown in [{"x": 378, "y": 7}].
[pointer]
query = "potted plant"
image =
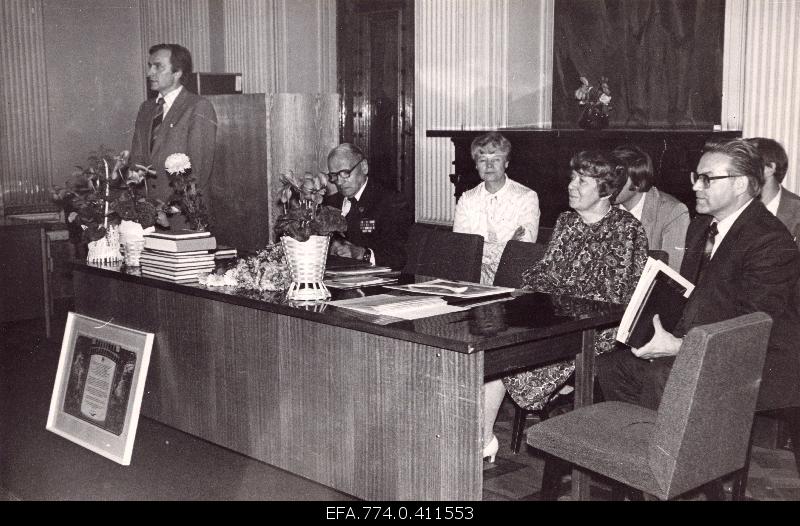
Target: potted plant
[
  {"x": 596, "y": 102},
  {"x": 98, "y": 198},
  {"x": 304, "y": 229},
  {"x": 185, "y": 199}
]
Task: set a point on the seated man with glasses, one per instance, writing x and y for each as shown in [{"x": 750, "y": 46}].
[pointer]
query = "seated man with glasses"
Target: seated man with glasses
[
  {"x": 742, "y": 260},
  {"x": 378, "y": 219}
]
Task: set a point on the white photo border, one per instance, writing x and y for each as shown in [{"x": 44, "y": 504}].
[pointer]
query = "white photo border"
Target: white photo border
[{"x": 118, "y": 398}]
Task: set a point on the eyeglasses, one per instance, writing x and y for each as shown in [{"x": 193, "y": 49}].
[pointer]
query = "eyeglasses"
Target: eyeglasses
[
  {"x": 705, "y": 179},
  {"x": 344, "y": 174}
]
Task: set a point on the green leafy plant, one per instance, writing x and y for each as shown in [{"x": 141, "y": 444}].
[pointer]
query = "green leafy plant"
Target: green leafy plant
[
  {"x": 105, "y": 192},
  {"x": 304, "y": 214}
]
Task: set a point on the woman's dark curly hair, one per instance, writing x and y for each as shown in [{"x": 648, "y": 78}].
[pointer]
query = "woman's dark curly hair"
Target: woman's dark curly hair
[{"x": 610, "y": 175}]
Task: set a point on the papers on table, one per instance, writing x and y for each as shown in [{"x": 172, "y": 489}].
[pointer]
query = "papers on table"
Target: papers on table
[
  {"x": 403, "y": 307},
  {"x": 454, "y": 289},
  {"x": 353, "y": 282},
  {"x": 356, "y": 271}
]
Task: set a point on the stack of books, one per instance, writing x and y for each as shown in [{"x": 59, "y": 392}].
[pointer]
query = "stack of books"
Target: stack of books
[
  {"x": 180, "y": 256},
  {"x": 225, "y": 253}
]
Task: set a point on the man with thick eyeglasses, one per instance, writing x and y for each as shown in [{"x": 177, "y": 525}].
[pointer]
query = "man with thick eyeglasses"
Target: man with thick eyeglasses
[
  {"x": 378, "y": 220},
  {"x": 741, "y": 259}
]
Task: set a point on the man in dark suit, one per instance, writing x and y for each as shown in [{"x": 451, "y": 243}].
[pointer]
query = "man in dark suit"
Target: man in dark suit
[
  {"x": 378, "y": 219},
  {"x": 177, "y": 121},
  {"x": 754, "y": 266},
  {"x": 778, "y": 200}
]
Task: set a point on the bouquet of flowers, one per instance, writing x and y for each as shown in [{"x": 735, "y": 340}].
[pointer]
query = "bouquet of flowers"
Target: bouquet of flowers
[
  {"x": 185, "y": 198},
  {"x": 97, "y": 196},
  {"x": 304, "y": 214},
  {"x": 598, "y": 100},
  {"x": 133, "y": 204},
  {"x": 268, "y": 270}
]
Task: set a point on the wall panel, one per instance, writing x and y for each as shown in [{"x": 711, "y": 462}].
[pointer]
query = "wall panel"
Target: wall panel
[
  {"x": 772, "y": 73},
  {"x": 24, "y": 134}
]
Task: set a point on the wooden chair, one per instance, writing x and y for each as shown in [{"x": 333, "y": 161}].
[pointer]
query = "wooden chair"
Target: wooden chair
[
  {"x": 518, "y": 256},
  {"x": 700, "y": 431},
  {"x": 444, "y": 254}
]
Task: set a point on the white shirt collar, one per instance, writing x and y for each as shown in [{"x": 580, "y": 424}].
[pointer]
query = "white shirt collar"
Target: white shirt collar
[
  {"x": 358, "y": 194},
  {"x": 772, "y": 206},
  {"x": 487, "y": 194},
  {"x": 169, "y": 98},
  {"x": 637, "y": 209},
  {"x": 725, "y": 225}
]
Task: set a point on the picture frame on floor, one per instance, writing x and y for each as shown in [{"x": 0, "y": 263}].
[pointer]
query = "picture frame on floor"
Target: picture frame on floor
[{"x": 99, "y": 386}]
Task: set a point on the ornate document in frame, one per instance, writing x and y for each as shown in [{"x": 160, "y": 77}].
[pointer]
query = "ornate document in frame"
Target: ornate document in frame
[{"x": 99, "y": 386}]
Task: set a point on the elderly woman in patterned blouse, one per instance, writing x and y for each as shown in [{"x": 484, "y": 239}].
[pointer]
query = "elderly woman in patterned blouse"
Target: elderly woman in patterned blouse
[
  {"x": 597, "y": 252},
  {"x": 499, "y": 209}
]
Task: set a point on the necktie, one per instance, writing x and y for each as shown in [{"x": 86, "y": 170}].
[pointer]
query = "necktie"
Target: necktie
[
  {"x": 158, "y": 118},
  {"x": 711, "y": 234},
  {"x": 349, "y": 202}
]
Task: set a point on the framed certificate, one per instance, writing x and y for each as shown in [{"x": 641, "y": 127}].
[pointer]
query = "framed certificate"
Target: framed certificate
[{"x": 99, "y": 386}]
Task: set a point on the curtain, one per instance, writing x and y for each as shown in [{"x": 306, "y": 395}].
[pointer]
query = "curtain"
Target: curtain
[{"x": 663, "y": 59}]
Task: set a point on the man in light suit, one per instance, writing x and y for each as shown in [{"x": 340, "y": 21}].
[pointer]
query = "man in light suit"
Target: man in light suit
[
  {"x": 754, "y": 266},
  {"x": 778, "y": 200},
  {"x": 664, "y": 218},
  {"x": 177, "y": 121}
]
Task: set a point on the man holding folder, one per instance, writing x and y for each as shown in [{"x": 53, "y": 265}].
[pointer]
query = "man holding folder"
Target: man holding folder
[{"x": 741, "y": 259}]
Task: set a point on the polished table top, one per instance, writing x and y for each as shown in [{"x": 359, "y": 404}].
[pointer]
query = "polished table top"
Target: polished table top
[{"x": 525, "y": 317}]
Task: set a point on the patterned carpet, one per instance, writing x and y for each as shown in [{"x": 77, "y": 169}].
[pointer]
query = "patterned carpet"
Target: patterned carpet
[{"x": 773, "y": 474}]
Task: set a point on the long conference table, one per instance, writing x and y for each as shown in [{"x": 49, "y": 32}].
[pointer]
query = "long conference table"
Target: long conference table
[{"x": 378, "y": 411}]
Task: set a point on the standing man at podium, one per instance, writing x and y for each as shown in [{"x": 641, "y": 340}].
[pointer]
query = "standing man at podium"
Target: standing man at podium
[{"x": 176, "y": 121}]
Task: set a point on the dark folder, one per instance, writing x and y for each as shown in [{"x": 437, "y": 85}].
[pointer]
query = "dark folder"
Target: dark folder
[{"x": 664, "y": 297}]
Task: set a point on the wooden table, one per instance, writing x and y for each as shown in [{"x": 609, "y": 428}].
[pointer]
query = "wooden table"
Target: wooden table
[{"x": 377, "y": 411}]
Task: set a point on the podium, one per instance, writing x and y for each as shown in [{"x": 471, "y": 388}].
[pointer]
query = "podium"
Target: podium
[{"x": 258, "y": 137}]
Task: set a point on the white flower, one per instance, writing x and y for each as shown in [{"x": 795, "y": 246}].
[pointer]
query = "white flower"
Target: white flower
[
  {"x": 604, "y": 99},
  {"x": 177, "y": 163}
]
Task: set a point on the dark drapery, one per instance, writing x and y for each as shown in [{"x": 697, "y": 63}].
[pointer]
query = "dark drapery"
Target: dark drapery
[{"x": 663, "y": 59}]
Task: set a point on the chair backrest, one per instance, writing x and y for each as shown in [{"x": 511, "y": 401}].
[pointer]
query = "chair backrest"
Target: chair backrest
[
  {"x": 517, "y": 257},
  {"x": 659, "y": 255},
  {"x": 444, "y": 254},
  {"x": 706, "y": 411}
]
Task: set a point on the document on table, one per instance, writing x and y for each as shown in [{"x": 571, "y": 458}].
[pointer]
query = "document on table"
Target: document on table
[
  {"x": 403, "y": 307},
  {"x": 452, "y": 289},
  {"x": 353, "y": 282},
  {"x": 359, "y": 270}
]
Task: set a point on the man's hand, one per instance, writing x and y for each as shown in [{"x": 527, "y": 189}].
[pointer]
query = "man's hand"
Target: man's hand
[
  {"x": 519, "y": 233},
  {"x": 661, "y": 345},
  {"x": 345, "y": 249}
]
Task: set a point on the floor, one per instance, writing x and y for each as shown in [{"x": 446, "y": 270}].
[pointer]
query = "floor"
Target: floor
[{"x": 170, "y": 465}]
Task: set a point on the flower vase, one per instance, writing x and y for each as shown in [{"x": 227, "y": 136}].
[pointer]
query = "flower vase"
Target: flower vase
[
  {"x": 593, "y": 118},
  {"x": 131, "y": 236},
  {"x": 307, "y": 267},
  {"x": 106, "y": 249}
]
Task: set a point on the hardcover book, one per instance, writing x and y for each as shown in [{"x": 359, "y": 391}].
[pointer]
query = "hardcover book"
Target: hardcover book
[
  {"x": 179, "y": 234},
  {"x": 660, "y": 290},
  {"x": 180, "y": 245}
]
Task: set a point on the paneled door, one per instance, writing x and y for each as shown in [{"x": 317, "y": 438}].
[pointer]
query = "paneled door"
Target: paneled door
[{"x": 375, "y": 50}]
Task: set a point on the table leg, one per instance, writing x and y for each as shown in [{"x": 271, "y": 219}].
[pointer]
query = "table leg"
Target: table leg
[{"x": 584, "y": 395}]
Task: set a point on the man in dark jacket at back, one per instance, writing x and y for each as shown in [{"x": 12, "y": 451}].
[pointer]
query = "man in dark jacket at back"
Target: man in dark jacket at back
[{"x": 378, "y": 219}]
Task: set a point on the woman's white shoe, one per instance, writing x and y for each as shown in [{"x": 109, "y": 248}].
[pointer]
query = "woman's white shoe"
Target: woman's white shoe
[{"x": 490, "y": 450}]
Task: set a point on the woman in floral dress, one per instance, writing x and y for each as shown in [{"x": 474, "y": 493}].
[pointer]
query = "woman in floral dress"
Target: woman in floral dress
[{"x": 597, "y": 252}]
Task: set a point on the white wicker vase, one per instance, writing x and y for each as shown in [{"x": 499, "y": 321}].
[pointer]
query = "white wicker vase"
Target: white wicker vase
[
  {"x": 307, "y": 266},
  {"x": 105, "y": 250},
  {"x": 131, "y": 238}
]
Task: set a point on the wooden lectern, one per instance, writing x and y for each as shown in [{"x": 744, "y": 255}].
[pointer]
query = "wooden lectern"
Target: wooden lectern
[{"x": 258, "y": 137}]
